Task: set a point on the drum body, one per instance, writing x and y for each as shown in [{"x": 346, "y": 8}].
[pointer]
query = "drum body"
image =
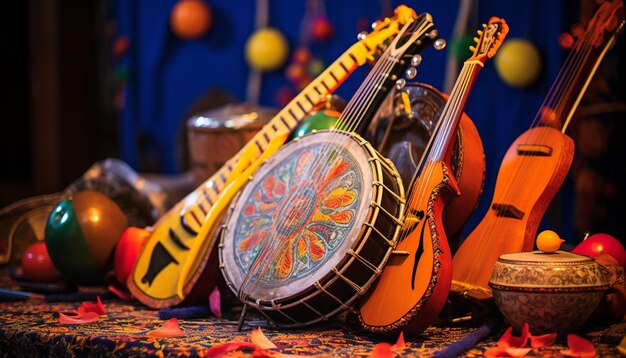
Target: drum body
[{"x": 312, "y": 230}]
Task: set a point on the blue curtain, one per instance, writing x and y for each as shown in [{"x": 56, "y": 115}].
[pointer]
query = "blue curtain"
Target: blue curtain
[{"x": 167, "y": 74}]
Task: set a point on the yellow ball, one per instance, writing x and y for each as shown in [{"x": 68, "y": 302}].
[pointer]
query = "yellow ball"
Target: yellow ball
[
  {"x": 266, "y": 49},
  {"x": 518, "y": 62},
  {"x": 548, "y": 241}
]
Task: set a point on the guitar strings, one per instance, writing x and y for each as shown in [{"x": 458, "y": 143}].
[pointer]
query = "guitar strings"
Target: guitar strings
[
  {"x": 553, "y": 103},
  {"x": 435, "y": 147},
  {"x": 349, "y": 125},
  {"x": 358, "y": 118},
  {"x": 270, "y": 251}
]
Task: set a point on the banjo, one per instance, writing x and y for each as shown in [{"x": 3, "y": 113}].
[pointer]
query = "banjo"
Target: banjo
[
  {"x": 179, "y": 264},
  {"x": 313, "y": 228}
]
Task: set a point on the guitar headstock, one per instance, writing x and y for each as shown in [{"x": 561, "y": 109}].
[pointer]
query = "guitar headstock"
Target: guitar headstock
[
  {"x": 384, "y": 30},
  {"x": 491, "y": 37}
]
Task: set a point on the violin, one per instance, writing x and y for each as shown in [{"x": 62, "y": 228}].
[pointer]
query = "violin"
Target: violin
[
  {"x": 536, "y": 164},
  {"x": 180, "y": 250},
  {"x": 415, "y": 283}
]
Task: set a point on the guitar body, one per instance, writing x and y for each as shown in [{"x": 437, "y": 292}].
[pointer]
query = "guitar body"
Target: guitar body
[
  {"x": 537, "y": 163},
  {"x": 523, "y": 191},
  {"x": 469, "y": 171},
  {"x": 403, "y": 140},
  {"x": 414, "y": 285}
]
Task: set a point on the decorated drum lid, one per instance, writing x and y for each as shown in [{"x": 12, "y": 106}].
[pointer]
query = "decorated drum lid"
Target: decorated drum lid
[
  {"x": 558, "y": 271},
  {"x": 309, "y": 212},
  {"x": 552, "y": 292}
]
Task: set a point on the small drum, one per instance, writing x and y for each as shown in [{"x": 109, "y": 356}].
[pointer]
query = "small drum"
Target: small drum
[
  {"x": 313, "y": 229},
  {"x": 217, "y": 135}
]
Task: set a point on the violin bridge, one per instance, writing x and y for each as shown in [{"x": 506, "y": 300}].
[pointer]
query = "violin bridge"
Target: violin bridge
[{"x": 534, "y": 150}]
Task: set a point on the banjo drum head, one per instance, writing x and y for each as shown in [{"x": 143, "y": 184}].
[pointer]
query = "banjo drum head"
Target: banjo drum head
[{"x": 299, "y": 216}]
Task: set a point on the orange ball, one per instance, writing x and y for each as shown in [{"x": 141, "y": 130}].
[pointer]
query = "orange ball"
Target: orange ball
[{"x": 190, "y": 19}]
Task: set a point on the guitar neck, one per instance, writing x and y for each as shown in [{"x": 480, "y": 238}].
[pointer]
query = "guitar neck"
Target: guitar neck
[
  {"x": 572, "y": 81},
  {"x": 291, "y": 115},
  {"x": 453, "y": 110}
]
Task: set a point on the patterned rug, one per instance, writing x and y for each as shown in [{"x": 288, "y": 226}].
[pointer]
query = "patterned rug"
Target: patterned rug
[{"x": 31, "y": 328}]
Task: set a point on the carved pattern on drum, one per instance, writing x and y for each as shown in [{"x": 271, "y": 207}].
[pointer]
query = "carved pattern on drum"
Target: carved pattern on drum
[{"x": 310, "y": 213}]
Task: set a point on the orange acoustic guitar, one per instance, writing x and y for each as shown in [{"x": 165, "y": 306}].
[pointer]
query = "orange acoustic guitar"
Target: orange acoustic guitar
[
  {"x": 536, "y": 164},
  {"x": 164, "y": 275},
  {"x": 415, "y": 283}
]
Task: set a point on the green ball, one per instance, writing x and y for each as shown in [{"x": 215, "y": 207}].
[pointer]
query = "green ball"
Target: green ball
[
  {"x": 81, "y": 235},
  {"x": 325, "y": 119},
  {"x": 459, "y": 47}
]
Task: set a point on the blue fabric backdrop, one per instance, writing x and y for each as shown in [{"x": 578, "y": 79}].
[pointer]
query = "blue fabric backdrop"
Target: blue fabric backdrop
[{"x": 167, "y": 74}]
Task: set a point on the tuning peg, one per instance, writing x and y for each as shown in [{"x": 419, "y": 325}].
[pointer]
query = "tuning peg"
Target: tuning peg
[
  {"x": 433, "y": 34},
  {"x": 440, "y": 44},
  {"x": 479, "y": 32},
  {"x": 400, "y": 84},
  {"x": 484, "y": 26},
  {"x": 361, "y": 35},
  {"x": 472, "y": 48},
  {"x": 374, "y": 24},
  {"x": 416, "y": 60},
  {"x": 476, "y": 39},
  {"x": 411, "y": 72}
]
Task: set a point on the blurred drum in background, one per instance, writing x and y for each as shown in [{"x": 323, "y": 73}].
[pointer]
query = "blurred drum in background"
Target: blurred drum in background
[{"x": 217, "y": 135}]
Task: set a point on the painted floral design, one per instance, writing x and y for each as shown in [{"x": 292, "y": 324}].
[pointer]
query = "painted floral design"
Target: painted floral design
[{"x": 299, "y": 212}]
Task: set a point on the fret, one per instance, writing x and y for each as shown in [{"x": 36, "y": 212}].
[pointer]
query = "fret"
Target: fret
[
  {"x": 333, "y": 76},
  {"x": 286, "y": 123},
  {"x": 297, "y": 113},
  {"x": 203, "y": 209},
  {"x": 301, "y": 106},
  {"x": 339, "y": 73},
  {"x": 353, "y": 58},
  {"x": 207, "y": 197},
  {"x": 343, "y": 67},
  {"x": 308, "y": 98}
]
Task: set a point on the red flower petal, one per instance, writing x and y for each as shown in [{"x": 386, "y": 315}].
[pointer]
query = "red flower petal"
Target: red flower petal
[
  {"x": 87, "y": 317},
  {"x": 509, "y": 341},
  {"x": 264, "y": 353},
  {"x": 224, "y": 348},
  {"x": 400, "y": 344},
  {"x": 382, "y": 350},
  {"x": 260, "y": 340},
  {"x": 97, "y": 307},
  {"x": 215, "y": 300},
  {"x": 579, "y": 347},
  {"x": 545, "y": 340},
  {"x": 506, "y": 352},
  {"x": 169, "y": 330},
  {"x": 121, "y": 293}
]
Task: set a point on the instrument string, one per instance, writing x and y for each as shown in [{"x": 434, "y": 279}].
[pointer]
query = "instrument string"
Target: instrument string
[
  {"x": 262, "y": 263},
  {"x": 551, "y": 109},
  {"x": 358, "y": 105},
  {"x": 362, "y": 101},
  {"x": 435, "y": 149}
]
